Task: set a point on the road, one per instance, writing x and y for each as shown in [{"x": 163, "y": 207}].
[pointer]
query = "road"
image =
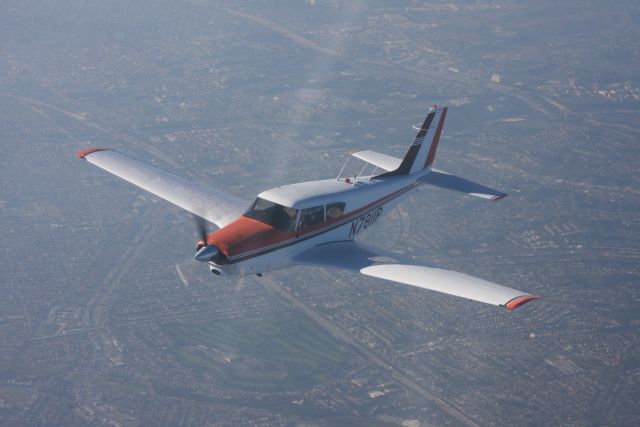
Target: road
[{"x": 338, "y": 333}]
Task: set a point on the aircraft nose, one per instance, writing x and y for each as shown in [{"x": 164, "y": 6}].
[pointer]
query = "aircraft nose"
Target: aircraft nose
[{"x": 207, "y": 253}]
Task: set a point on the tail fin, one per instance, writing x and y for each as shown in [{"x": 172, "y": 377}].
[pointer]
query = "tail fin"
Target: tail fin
[{"x": 420, "y": 155}]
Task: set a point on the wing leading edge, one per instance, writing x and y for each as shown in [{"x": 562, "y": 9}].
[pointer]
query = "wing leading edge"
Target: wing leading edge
[
  {"x": 356, "y": 257},
  {"x": 213, "y": 205}
]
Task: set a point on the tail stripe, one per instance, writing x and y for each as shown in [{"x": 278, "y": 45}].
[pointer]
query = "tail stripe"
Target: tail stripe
[
  {"x": 407, "y": 162},
  {"x": 419, "y": 155},
  {"x": 424, "y": 129},
  {"x": 436, "y": 139}
]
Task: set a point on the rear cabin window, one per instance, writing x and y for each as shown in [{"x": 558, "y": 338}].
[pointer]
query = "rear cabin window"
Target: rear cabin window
[
  {"x": 334, "y": 210},
  {"x": 273, "y": 214},
  {"x": 311, "y": 216}
]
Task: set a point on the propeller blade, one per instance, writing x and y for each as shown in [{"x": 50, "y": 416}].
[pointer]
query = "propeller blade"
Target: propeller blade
[{"x": 201, "y": 228}]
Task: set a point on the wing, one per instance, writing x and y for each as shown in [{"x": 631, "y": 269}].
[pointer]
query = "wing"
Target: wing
[
  {"x": 373, "y": 262},
  {"x": 213, "y": 205},
  {"x": 443, "y": 179}
]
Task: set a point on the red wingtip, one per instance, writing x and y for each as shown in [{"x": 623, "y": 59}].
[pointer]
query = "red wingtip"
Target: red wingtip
[
  {"x": 84, "y": 153},
  {"x": 518, "y": 301}
]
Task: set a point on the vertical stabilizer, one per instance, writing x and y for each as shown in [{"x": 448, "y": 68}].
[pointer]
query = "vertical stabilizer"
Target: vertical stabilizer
[{"x": 421, "y": 154}]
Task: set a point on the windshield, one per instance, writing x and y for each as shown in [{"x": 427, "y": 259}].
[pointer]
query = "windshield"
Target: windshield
[{"x": 277, "y": 216}]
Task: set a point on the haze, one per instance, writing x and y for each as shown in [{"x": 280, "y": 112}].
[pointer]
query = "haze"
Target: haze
[{"x": 105, "y": 318}]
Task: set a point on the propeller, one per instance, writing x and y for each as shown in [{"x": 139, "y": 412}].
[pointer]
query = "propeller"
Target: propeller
[
  {"x": 201, "y": 230},
  {"x": 204, "y": 251}
]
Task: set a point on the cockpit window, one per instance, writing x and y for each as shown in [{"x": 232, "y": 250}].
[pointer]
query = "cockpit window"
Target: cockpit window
[
  {"x": 273, "y": 214},
  {"x": 311, "y": 216},
  {"x": 335, "y": 210}
]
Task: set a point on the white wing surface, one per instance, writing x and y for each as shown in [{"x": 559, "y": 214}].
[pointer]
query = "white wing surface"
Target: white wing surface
[
  {"x": 213, "y": 205},
  {"x": 370, "y": 262},
  {"x": 383, "y": 161},
  {"x": 446, "y": 180}
]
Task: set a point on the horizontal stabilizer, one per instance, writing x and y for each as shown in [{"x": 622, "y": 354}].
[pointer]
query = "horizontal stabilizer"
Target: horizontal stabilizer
[
  {"x": 451, "y": 182},
  {"x": 380, "y": 160},
  {"x": 375, "y": 263},
  {"x": 213, "y": 205}
]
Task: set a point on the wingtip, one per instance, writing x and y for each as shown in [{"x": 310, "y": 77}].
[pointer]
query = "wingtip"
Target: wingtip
[
  {"x": 498, "y": 197},
  {"x": 84, "y": 153},
  {"x": 521, "y": 300}
]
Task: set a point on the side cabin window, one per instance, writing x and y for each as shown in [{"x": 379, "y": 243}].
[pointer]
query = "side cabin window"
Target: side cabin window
[
  {"x": 310, "y": 217},
  {"x": 334, "y": 210},
  {"x": 273, "y": 214}
]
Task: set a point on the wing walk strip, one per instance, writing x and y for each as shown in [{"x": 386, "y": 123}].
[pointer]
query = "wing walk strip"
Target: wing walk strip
[{"x": 260, "y": 251}]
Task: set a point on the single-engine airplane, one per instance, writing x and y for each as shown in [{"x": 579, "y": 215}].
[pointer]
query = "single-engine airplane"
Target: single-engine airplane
[{"x": 315, "y": 223}]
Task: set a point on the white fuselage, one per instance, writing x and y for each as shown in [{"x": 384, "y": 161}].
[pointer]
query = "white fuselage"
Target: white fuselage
[{"x": 366, "y": 199}]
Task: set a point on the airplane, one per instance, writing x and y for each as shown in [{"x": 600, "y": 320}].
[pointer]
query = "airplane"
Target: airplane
[{"x": 315, "y": 223}]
